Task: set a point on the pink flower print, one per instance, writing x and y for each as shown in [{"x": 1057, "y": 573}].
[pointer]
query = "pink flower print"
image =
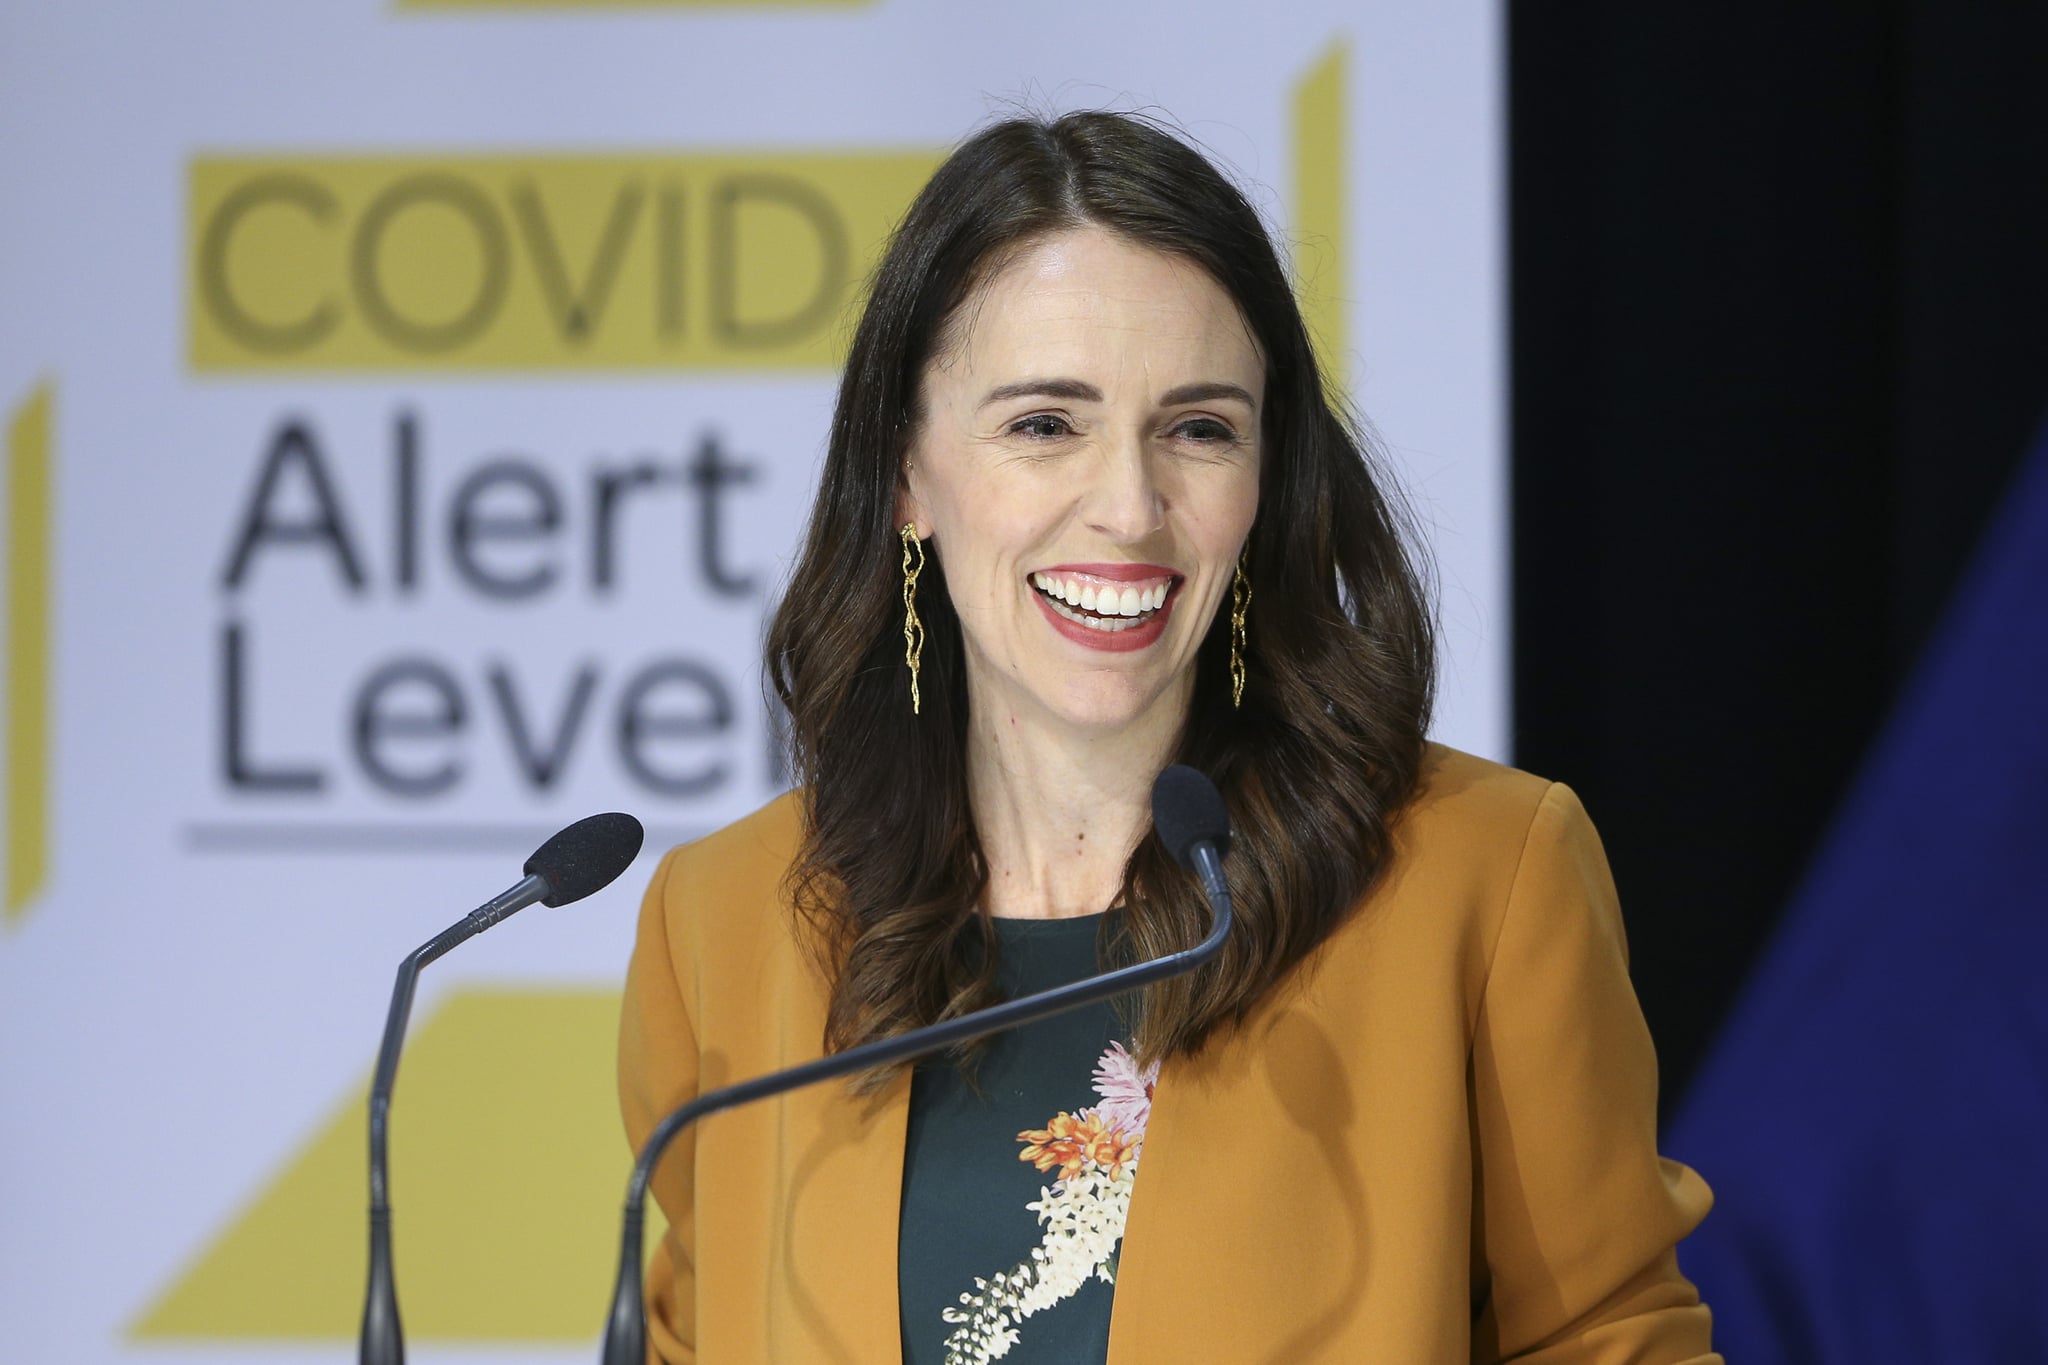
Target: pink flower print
[{"x": 1126, "y": 1092}]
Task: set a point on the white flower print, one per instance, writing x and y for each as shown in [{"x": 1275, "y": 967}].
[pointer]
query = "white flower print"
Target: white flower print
[{"x": 1082, "y": 1212}]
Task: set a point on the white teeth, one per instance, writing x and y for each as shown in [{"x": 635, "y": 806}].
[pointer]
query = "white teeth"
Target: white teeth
[
  {"x": 1112, "y": 624},
  {"x": 1112, "y": 608}
]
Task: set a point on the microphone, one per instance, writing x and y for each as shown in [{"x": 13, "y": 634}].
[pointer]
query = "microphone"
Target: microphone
[
  {"x": 1190, "y": 818},
  {"x": 583, "y": 858}
]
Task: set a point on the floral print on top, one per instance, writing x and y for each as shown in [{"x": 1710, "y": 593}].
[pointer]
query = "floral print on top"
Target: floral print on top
[
  {"x": 1018, "y": 1172},
  {"x": 1093, "y": 1158}
]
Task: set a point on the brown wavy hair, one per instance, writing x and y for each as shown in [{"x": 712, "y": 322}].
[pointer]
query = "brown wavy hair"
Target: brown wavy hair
[{"x": 1328, "y": 743}]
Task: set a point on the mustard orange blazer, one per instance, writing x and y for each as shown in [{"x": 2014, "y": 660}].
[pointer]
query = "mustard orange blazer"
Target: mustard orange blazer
[{"x": 1434, "y": 1142}]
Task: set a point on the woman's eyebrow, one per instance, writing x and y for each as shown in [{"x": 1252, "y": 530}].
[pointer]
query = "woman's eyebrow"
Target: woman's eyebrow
[
  {"x": 1072, "y": 389},
  {"x": 1202, "y": 391},
  {"x": 1206, "y": 391}
]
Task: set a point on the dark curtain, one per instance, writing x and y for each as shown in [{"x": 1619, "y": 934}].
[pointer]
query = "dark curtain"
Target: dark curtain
[{"x": 1779, "y": 338}]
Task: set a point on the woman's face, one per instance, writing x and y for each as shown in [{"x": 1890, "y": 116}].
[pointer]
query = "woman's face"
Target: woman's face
[{"x": 1088, "y": 469}]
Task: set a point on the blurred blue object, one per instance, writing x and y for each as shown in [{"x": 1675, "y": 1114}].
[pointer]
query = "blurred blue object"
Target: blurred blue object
[{"x": 1874, "y": 1118}]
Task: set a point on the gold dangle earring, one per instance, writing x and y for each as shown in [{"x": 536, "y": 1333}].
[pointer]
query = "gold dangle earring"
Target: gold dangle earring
[
  {"x": 913, "y": 629},
  {"x": 1240, "y": 599}
]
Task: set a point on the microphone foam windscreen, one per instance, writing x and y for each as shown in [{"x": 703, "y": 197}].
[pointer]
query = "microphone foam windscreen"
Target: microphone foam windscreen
[
  {"x": 1188, "y": 810},
  {"x": 586, "y": 856}
]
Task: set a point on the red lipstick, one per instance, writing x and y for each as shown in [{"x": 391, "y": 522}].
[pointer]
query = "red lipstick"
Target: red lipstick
[
  {"x": 1115, "y": 573},
  {"x": 1129, "y": 638}
]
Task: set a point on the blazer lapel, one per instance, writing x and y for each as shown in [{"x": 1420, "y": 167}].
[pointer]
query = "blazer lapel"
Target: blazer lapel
[
  {"x": 846, "y": 1195},
  {"x": 1158, "y": 1231}
]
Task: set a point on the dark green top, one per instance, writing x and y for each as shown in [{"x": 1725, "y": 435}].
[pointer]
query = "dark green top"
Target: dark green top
[{"x": 1061, "y": 1093}]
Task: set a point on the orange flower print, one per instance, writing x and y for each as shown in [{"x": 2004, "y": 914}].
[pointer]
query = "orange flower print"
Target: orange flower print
[{"x": 1072, "y": 1141}]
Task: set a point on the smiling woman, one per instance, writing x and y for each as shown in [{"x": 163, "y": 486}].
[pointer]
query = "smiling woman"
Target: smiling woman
[
  {"x": 1090, "y": 446},
  {"x": 1087, "y": 511}
]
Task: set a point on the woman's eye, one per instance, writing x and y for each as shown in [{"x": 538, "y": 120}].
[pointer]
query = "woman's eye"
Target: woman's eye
[
  {"x": 1043, "y": 426},
  {"x": 1206, "y": 429}
]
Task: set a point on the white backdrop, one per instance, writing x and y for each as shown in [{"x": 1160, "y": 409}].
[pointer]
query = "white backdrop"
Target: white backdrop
[{"x": 210, "y": 881}]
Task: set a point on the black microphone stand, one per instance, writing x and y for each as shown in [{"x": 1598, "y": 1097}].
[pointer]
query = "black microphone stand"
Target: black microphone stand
[
  {"x": 583, "y": 858},
  {"x": 382, "y": 1341},
  {"x": 625, "y": 1339}
]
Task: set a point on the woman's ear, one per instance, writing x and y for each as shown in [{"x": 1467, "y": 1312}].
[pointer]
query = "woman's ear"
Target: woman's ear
[{"x": 910, "y": 507}]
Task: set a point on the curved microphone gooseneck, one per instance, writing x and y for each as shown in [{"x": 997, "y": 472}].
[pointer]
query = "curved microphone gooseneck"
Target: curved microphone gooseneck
[
  {"x": 1190, "y": 818},
  {"x": 585, "y": 857}
]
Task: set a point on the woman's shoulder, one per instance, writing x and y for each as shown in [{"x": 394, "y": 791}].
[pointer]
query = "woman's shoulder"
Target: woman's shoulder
[
  {"x": 1475, "y": 838},
  {"x": 1472, "y": 831},
  {"x": 1460, "y": 840},
  {"x": 769, "y": 835},
  {"x": 731, "y": 871},
  {"x": 1463, "y": 800}
]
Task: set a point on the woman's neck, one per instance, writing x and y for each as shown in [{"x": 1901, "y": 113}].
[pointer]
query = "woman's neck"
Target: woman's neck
[{"x": 1058, "y": 811}]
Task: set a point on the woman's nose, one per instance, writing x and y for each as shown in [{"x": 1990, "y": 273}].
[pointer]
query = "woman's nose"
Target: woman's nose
[{"x": 1125, "y": 502}]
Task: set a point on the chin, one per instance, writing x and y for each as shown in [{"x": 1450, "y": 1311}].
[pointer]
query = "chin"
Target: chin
[{"x": 1104, "y": 705}]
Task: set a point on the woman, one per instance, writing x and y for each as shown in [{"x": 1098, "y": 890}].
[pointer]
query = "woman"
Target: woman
[{"x": 1086, "y": 512}]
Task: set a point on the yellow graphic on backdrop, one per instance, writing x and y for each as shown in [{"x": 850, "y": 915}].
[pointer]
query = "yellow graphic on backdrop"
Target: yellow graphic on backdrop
[
  {"x": 29, "y": 494},
  {"x": 508, "y": 1165},
  {"x": 726, "y": 262},
  {"x": 1319, "y": 189}
]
